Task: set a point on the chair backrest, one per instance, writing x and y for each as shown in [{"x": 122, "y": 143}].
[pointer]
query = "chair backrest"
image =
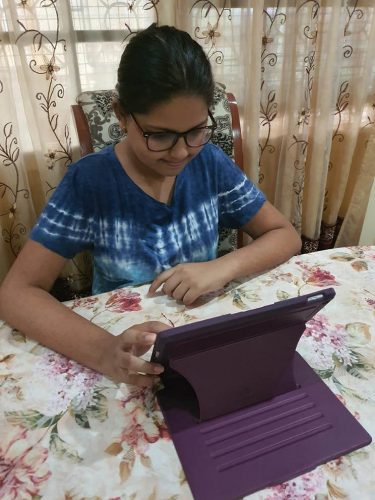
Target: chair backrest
[{"x": 97, "y": 127}]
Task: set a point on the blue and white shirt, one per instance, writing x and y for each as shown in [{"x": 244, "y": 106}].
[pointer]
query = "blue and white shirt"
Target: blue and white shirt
[{"x": 133, "y": 237}]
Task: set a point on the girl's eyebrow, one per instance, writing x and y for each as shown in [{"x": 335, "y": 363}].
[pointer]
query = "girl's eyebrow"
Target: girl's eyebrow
[{"x": 162, "y": 129}]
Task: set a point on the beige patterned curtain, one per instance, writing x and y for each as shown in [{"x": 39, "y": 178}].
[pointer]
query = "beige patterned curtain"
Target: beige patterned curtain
[
  {"x": 303, "y": 73},
  {"x": 50, "y": 51},
  {"x": 304, "y": 76}
]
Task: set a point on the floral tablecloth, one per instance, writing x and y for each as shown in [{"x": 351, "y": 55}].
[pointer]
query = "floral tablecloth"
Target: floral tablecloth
[{"x": 66, "y": 432}]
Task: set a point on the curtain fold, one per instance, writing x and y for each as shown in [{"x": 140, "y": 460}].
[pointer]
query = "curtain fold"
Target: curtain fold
[
  {"x": 39, "y": 83},
  {"x": 304, "y": 79},
  {"x": 321, "y": 122},
  {"x": 302, "y": 73}
]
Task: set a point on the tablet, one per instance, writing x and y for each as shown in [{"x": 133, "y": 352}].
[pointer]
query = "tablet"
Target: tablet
[
  {"x": 243, "y": 408},
  {"x": 211, "y": 333}
]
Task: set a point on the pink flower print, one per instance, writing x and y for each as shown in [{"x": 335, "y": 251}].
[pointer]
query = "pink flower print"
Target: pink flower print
[
  {"x": 54, "y": 364},
  {"x": 85, "y": 302},
  {"x": 325, "y": 342},
  {"x": 320, "y": 277},
  {"x": 304, "y": 487},
  {"x": 123, "y": 300},
  {"x": 144, "y": 400},
  {"x": 335, "y": 467},
  {"x": 70, "y": 382},
  {"x": 22, "y": 468},
  {"x": 141, "y": 431},
  {"x": 343, "y": 401},
  {"x": 316, "y": 276},
  {"x": 316, "y": 327},
  {"x": 288, "y": 277}
]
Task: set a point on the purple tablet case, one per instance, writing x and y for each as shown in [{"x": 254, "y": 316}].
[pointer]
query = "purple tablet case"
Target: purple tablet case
[{"x": 244, "y": 410}]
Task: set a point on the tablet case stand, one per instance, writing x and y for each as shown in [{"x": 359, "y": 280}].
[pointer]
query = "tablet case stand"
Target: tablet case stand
[
  {"x": 235, "y": 433},
  {"x": 216, "y": 394}
]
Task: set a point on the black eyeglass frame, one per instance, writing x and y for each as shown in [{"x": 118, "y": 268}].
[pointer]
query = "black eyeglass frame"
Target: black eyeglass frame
[{"x": 177, "y": 135}]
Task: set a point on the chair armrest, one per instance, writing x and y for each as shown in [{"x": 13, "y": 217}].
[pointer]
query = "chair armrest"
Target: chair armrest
[
  {"x": 83, "y": 130},
  {"x": 236, "y": 130}
]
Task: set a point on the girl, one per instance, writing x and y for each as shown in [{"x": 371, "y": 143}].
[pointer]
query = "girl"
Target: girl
[{"x": 148, "y": 209}]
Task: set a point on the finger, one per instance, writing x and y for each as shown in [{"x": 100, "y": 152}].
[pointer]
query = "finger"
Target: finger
[
  {"x": 180, "y": 291},
  {"x": 131, "y": 363},
  {"x": 190, "y": 297},
  {"x": 152, "y": 326},
  {"x": 141, "y": 380},
  {"x": 147, "y": 338},
  {"x": 171, "y": 284},
  {"x": 159, "y": 280},
  {"x": 142, "y": 334}
]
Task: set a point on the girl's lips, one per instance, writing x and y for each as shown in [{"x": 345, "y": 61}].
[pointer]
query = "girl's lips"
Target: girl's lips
[{"x": 175, "y": 164}]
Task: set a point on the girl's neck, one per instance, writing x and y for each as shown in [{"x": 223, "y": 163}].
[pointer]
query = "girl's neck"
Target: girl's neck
[{"x": 158, "y": 187}]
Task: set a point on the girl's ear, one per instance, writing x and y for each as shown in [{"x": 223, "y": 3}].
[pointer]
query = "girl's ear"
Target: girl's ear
[{"x": 120, "y": 114}]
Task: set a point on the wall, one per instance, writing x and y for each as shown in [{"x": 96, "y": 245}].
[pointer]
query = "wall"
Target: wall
[{"x": 368, "y": 228}]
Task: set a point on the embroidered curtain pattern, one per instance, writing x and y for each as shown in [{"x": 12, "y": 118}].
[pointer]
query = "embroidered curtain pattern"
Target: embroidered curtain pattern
[
  {"x": 302, "y": 73},
  {"x": 51, "y": 50},
  {"x": 304, "y": 76}
]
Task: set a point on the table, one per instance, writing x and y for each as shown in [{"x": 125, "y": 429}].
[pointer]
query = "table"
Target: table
[{"x": 66, "y": 432}]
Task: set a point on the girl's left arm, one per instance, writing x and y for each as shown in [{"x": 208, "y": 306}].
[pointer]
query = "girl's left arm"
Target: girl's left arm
[{"x": 274, "y": 241}]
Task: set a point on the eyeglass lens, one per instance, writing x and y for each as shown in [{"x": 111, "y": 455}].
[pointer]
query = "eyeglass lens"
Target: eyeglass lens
[{"x": 166, "y": 140}]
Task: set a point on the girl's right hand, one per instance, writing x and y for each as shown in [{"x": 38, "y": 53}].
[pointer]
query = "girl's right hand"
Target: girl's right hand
[{"x": 121, "y": 361}]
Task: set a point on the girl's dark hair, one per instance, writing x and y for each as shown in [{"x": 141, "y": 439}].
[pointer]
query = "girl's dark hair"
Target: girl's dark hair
[{"x": 160, "y": 63}]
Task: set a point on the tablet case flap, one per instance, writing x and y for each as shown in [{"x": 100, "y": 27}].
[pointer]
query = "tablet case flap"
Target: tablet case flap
[
  {"x": 265, "y": 444},
  {"x": 244, "y": 410}
]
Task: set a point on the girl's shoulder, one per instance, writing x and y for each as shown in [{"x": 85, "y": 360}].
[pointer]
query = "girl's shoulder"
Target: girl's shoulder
[
  {"x": 212, "y": 161},
  {"x": 99, "y": 160},
  {"x": 95, "y": 168},
  {"x": 213, "y": 152}
]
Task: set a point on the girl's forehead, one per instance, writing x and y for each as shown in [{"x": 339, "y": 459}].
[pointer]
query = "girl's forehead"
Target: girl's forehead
[{"x": 179, "y": 113}]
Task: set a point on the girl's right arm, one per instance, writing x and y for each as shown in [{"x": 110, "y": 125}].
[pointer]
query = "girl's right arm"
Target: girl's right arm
[{"x": 26, "y": 304}]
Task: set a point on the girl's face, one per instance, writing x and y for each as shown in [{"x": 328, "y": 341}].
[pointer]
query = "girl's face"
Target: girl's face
[{"x": 180, "y": 114}]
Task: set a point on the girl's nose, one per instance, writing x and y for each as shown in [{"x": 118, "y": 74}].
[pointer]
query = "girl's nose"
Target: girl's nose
[{"x": 180, "y": 150}]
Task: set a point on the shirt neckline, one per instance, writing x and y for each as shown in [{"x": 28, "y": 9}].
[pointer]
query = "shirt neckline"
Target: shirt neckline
[{"x": 179, "y": 179}]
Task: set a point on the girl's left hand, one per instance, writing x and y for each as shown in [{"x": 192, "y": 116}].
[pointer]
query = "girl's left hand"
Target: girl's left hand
[{"x": 187, "y": 282}]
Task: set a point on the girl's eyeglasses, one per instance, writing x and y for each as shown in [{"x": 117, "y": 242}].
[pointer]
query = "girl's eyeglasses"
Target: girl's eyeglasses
[{"x": 194, "y": 138}]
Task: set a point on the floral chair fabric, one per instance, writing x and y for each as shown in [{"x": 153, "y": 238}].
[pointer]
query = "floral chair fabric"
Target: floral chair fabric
[{"x": 104, "y": 130}]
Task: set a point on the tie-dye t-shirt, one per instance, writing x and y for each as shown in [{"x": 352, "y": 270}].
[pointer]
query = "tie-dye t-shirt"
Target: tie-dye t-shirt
[{"x": 131, "y": 236}]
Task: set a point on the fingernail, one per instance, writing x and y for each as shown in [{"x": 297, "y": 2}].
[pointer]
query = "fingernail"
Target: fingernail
[
  {"x": 158, "y": 369},
  {"x": 150, "y": 337}
]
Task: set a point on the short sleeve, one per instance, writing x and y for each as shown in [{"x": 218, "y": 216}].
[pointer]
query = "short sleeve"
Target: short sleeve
[
  {"x": 66, "y": 224},
  {"x": 238, "y": 198}
]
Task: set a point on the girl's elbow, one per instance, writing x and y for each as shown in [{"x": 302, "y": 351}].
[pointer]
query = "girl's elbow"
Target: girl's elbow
[{"x": 295, "y": 242}]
